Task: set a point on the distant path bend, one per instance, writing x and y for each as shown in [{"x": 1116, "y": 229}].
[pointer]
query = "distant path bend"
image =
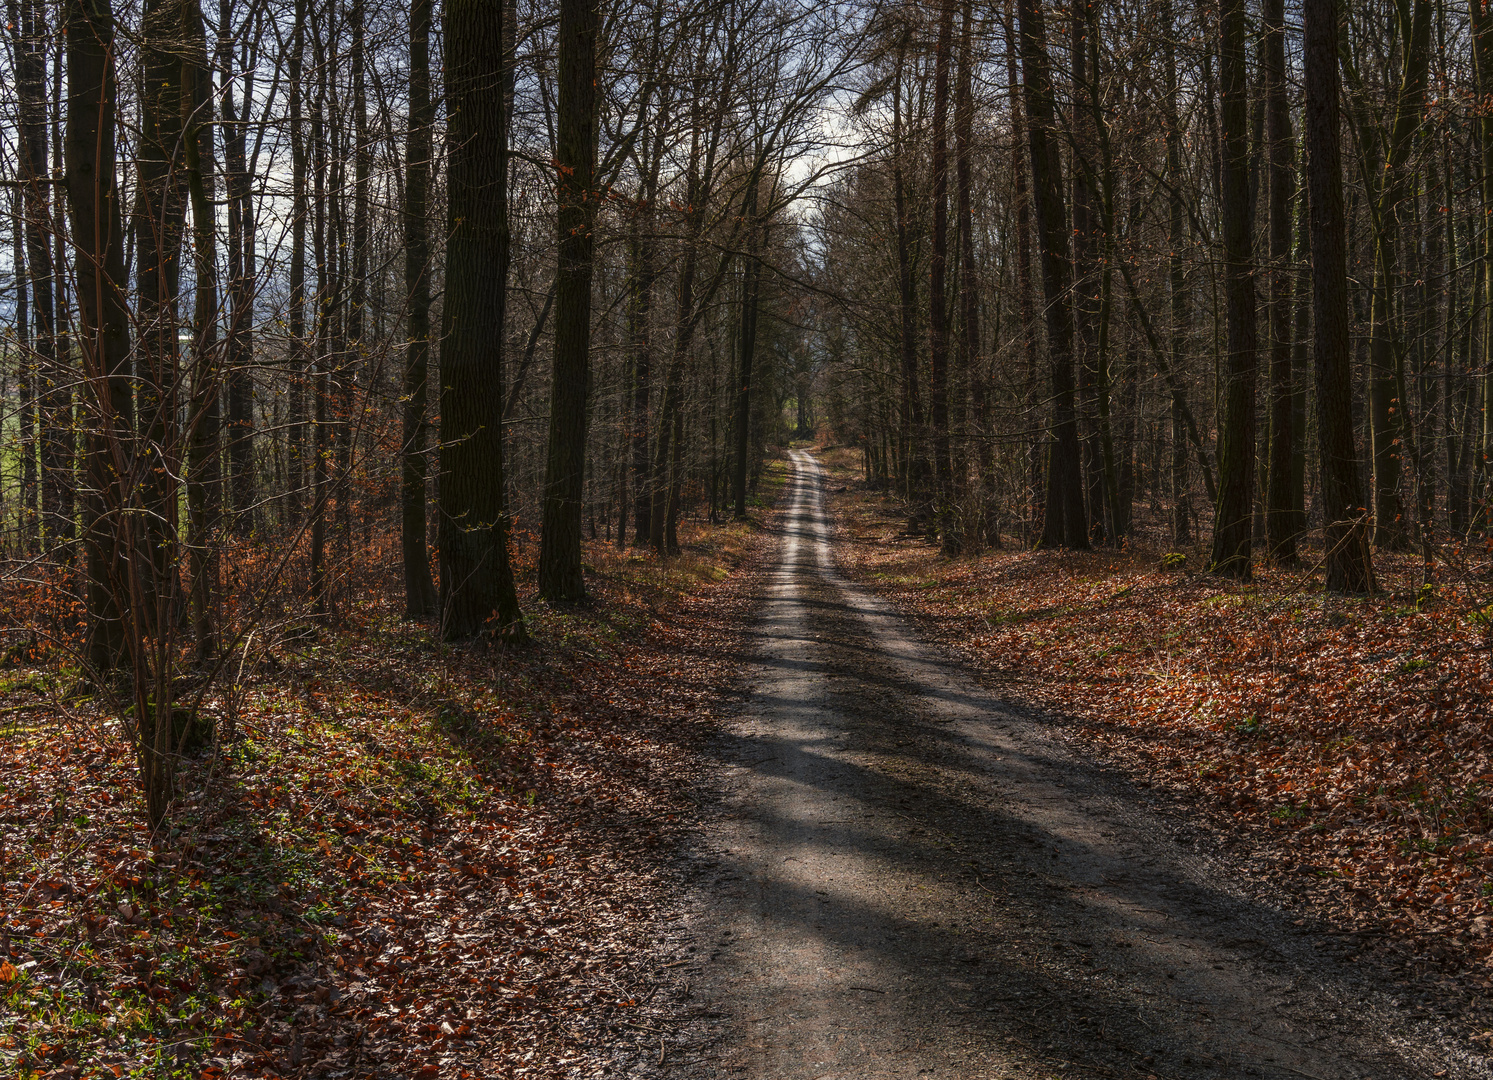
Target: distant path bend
[{"x": 910, "y": 879}]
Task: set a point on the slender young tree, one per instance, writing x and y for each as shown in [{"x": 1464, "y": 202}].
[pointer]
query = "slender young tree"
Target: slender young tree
[
  {"x": 910, "y": 425},
  {"x": 938, "y": 263},
  {"x": 751, "y": 282},
  {"x": 204, "y": 469},
  {"x": 419, "y": 588},
  {"x": 1176, "y": 282},
  {"x": 35, "y": 297},
  {"x": 1282, "y": 524},
  {"x": 969, "y": 359},
  {"x": 243, "y": 489},
  {"x": 300, "y": 354}
]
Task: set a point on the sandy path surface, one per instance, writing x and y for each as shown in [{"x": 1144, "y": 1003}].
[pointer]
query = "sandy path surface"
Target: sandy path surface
[{"x": 911, "y": 879}]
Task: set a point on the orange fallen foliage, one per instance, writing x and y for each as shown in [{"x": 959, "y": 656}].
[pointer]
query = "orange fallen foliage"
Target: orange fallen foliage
[
  {"x": 414, "y": 859},
  {"x": 1343, "y": 745}
]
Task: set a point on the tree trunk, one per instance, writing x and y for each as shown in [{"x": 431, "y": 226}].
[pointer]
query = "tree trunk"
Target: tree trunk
[
  {"x": 300, "y": 358},
  {"x": 476, "y": 577},
  {"x": 1388, "y": 410},
  {"x": 161, "y": 200},
  {"x": 241, "y": 257},
  {"x": 1176, "y": 285},
  {"x": 1233, "y": 516},
  {"x": 640, "y": 333},
  {"x": 204, "y": 470},
  {"x": 1349, "y": 567},
  {"x": 1065, "y": 524},
  {"x": 35, "y": 293},
  {"x": 910, "y": 420},
  {"x": 1281, "y": 523},
  {"x": 419, "y": 589},
  {"x": 560, "y": 576},
  {"x": 746, "y": 342},
  {"x": 986, "y": 526},
  {"x": 938, "y": 320},
  {"x": 1085, "y": 285},
  {"x": 1021, "y": 195},
  {"x": 114, "y": 566}
]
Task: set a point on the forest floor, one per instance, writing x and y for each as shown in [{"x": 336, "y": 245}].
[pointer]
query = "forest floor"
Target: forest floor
[
  {"x": 1341, "y": 746},
  {"x": 416, "y": 861},
  {"x": 408, "y": 860}
]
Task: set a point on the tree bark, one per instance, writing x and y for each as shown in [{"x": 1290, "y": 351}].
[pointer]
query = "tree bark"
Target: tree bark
[
  {"x": 560, "y": 576},
  {"x": 1176, "y": 286},
  {"x": 477, "y": 586},
  {"x": 938, "y": 319},
  {"x": 243, "y": 488},
  {"x": 970, "y": 357},
  {"x": 300, "y": 355},
  {"x": 420, "y": 597},
  {"x": 103, "y": 318},
  {"x": 1388, "y": 409},
  {"x": 1021, "y": 195},
  {"x": 1065, "y": 524},
  {"x": 1233, "y": 515},
  {"x": 162, "y": 203},
  {"x": 1282, "y": 525},
  {"x": 746, "y": 343},
  {"x": 35, "y": 296},
  {"x": 910, "y": 418},
  {"x": 204, "y": 471},
  {"x": 1349, "y": 566}
]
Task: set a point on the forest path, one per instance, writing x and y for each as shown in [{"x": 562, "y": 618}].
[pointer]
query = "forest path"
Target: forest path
[{"x": 910, "y": 879}]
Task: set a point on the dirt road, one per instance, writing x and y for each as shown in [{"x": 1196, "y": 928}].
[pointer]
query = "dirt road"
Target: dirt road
[{"x": 911, "y": 879}]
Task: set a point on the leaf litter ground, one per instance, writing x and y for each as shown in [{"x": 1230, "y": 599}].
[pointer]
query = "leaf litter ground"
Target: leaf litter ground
[
  {"x": 411, "y": 861},
  {"x": 1338, "y": 748}
]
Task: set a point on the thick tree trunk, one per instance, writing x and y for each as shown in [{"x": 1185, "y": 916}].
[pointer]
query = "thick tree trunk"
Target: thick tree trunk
[
  {"x": 1349, "y": 567},
  {"x": 103, "y": 318},
  {"x": 1233, "y": 516},
  {"x": 162, "y": 206},
  {"x": 560, "y": 576},
  {"x": 113, "y": 548},
  {"x": 1065, "y": 524},
  {"x": 476, "y": 578}
]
